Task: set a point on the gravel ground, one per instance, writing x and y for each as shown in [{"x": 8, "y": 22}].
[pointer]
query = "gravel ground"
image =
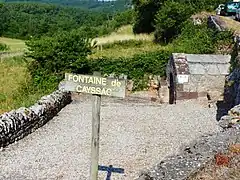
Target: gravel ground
[{"x": 134, "y": 136}]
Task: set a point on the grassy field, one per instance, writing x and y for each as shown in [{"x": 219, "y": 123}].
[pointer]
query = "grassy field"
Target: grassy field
[
  {"x": 127, "y": 51},
  {"x": 15, "y": 45},
  {"x": 14, "y": 76},
  {"x": 125, "y": 34}
]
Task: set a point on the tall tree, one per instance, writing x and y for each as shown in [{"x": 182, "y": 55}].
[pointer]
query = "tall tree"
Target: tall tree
[{"x": 145, "y": 13}]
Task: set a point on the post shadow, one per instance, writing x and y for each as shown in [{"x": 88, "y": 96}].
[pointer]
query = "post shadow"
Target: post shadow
[{"x": 110, "y": 169}]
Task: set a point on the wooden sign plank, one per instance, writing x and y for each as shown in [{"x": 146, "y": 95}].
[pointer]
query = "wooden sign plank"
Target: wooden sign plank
[{"x": 95, "y": 85}]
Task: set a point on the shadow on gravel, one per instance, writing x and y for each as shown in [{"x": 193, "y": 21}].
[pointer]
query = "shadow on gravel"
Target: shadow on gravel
[{"x": 110, "y": 169}]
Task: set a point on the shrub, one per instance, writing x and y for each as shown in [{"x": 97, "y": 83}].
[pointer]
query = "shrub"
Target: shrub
[
  {"x": 53, "y": 56},
  {"x": 3, "y": 47},
  {"x": 169, "y": 20},
  {"x": 199, "y": 39},
  {"x": 145, "y": 12},
  {"x": 136, "y": 67}
]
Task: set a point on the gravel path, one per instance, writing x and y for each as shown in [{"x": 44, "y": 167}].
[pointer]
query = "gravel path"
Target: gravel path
[{"x": 134, "y": 136}]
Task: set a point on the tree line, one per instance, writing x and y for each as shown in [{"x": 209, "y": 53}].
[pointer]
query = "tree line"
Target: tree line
[
  {"x": 26, "y": 20},
  {"x": 107, "y": 6}
]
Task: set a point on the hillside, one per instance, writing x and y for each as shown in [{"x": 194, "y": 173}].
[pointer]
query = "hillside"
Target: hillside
[
  {"x": 24, "y": 20},
  {"x": 123, "y": 43}
]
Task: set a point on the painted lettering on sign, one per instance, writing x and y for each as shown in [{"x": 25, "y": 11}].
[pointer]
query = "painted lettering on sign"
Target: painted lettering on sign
[
  {"x": 93, "y": 90},
  {"x": 95, "y": 85},
  {"x": 86, "y": 79}
]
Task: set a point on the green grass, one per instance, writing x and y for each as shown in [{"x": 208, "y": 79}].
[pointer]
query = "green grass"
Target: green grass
[
  {"x": 123, "y": 33},
  {"x": 110, "y": 46},
  {"x": 127, "y": 51},
  {"x": 14, "y": 77},
  {"x": 15, "y": 45}
]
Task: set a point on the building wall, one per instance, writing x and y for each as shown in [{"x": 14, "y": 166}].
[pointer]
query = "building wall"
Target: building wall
[
  {"x": 205, "y": 83},
  {"x": 206, "y": 78},
  {"x": 200, "y": 86}
]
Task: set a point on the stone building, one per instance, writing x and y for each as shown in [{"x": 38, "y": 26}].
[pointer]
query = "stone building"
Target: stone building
[{"x": 191, "y": 76}]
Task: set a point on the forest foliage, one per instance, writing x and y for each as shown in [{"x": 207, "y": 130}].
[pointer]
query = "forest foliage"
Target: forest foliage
[
  {"x": 25, "y": 20},
  {"x": 95, "y": 5}
]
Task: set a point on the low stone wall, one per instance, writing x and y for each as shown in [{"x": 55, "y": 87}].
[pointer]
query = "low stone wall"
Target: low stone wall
[
  {"x": 198, "y": 154},
  {"x": 17, "y": 124}
]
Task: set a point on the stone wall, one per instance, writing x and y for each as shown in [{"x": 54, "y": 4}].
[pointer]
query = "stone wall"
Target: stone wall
[
  {"x": 17, "y": 124},
  {"x": 203, "y": 85},
  {"x": 198, "y": 154}
]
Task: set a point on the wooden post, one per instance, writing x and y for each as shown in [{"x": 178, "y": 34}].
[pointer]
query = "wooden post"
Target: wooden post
[{"x": 96, "y": 103}]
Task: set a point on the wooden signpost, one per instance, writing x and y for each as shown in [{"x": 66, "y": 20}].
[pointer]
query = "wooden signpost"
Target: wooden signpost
[{"x": 97, "y": 86}]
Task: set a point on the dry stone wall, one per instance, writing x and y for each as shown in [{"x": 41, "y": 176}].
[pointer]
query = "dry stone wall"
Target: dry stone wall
[{"x": 17, "y": 124}]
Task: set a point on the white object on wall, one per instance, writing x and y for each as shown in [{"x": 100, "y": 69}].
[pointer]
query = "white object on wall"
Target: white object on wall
[{"x": 182, "y": 78}]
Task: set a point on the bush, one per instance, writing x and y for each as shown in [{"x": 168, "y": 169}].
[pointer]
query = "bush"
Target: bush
[
  {"x": 67, "y": 52},
  {"x": 199, "y": 39},
  {"x": 145, "y": 12},
  {"x": 169, "y": 20},
  {"x": 53, "y": 56},
  {"x": 136, "y": 67},
  {"x": 3, "y": 47}
]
